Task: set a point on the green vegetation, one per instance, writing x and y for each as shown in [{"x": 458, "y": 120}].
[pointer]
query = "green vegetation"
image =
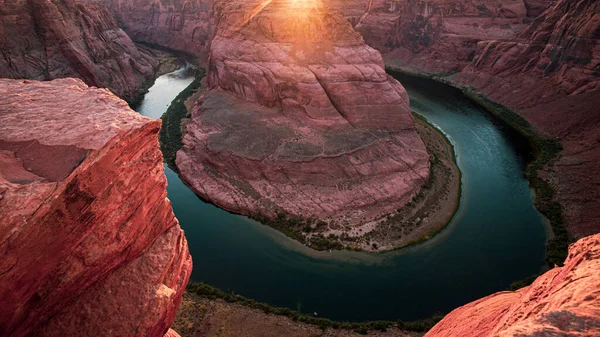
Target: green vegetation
[
  {"x": 134, "y": 102},
  {"x": 436, "y": 163},
  {"x": 170, "y": 134},
  {"x": 212, "y": 293},
  {"x": 294, "y": 227},
  {"x": 522, "y": 283}
]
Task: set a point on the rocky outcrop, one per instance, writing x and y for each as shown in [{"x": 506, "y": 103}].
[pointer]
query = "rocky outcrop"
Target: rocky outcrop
[
  {"x": 89, "y": 245},
  {"x": 44, "y": 40},
  {"x": 301, "y": 118},
  {"x": 550, "y": 74},
  {"x": 562, "y": 302},
  {"x": 437, "y": 35},
  {"x": 181, "y": 25}
]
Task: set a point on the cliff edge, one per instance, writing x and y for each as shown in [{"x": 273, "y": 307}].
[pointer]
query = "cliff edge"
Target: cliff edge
[
  {"x": 89, "y": 244},
  {"x": 564, "y": 301}
]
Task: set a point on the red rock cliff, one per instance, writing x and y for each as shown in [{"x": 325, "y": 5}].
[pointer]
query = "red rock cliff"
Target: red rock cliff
[
  {"x": 44, "y": 40},
  {"x": 562, "y": 302},
  {"x": 436, "y": 35},
  {"x": 183, "y": 25},
  {"x": 89, "y": 245},
  {"x": 301, "y": 118}
]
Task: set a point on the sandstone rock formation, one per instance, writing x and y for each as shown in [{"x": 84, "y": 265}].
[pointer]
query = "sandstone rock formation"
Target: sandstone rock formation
[
  {"x": 89, "y": 245},
  {"x": 182, "y": 25},
  {"x": 301, "y": 118},
  {"x": 562, "y": 302},
  {"x": 550, "y": 74},
  {"x": 437, "y": 35},
  {"x": 44, "y": 40}
]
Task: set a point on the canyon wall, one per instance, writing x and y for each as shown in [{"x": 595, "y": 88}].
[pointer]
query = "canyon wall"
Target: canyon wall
[
  {"x": 550, "y": 74},
  {"x": 89, "y": 244},
  {"x": 437, "y": 35},
  {"x": 562, "y": 302},
  {"x": 44, "y": 40},
  {"x": 301, "y": 118},
  {"x": 181, "y": 25}
]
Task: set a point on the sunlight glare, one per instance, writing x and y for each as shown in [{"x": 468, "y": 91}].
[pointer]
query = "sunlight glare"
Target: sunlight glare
[{"x": 304, "y": 4}]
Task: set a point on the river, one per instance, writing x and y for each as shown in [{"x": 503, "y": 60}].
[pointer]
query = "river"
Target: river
[{"x": 495, "y": 238}]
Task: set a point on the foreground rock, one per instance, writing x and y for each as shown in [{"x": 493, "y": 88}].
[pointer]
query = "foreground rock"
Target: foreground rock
[
  {"x": 44, "y": 40},
  {"x": 301, "y": 119},
  {"x": 562, "y": 302},
  {"x": 88, "y": 241},
  {"x": 549, "y": 74}
]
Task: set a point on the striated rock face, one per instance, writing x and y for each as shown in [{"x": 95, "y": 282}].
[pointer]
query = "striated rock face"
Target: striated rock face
[
  {"x": 89, "y": 244},
  {"x": 550, "y": 74},
  {"x": 44, "y": 40},
  {"x": 436, "y": 35},
  {"x": 301, "y": 118},
  {"x": 183, "y": 25},
  {"x": 562, "y": 302}
]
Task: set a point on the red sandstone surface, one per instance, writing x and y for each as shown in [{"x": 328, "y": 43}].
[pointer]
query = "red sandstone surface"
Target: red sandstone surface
[
  {"x": 564, "y": 301},
  {"x": 301, "y": 118},
  {"x": 44, "y": 40},
  {"x": 89, "y": 245}
]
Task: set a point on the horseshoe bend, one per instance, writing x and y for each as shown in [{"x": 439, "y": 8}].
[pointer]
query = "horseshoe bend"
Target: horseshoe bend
[
  {"x": 301, "y": 119},
  {"x": 424, "y": 168}
]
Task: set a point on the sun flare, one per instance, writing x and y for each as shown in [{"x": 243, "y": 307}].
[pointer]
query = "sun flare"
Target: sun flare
[{"x": 304, "y": 4}]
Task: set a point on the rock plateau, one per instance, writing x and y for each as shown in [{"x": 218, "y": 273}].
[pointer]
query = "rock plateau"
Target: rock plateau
[
  {"x": 44, "y": 40},
  {"x": 89, "y": 245},
  {"x": 301, "y": 118}
]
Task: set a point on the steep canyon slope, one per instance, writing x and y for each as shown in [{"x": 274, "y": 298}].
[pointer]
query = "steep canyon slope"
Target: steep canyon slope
[
  {"x": 89, "y": 244},
  {"x": 182, "y": 25},
  {"x": 301, "y": 118},
  {"x": 44, "y": 40}
]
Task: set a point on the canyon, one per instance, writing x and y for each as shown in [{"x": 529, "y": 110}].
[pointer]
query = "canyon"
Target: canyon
[
  {"x": 89, "y": 242},
  {"x": 303, "y": 127},
  {"x": 485, "y": 45}
]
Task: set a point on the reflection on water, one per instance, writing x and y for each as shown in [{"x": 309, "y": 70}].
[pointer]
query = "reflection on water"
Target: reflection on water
[
  {"x": 495, "y": 238},
  {"x": 165, "y": 89}
]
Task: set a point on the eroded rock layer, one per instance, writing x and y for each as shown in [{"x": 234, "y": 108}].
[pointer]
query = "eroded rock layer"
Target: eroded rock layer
[
  {"x": 562, "y": 302},
  {"x": 437, "y": 35},
  {"x": 44, "y": 40},
  {"x": 182, "y": 25},
  {"x": 301, "y": 118},
  {"x": 89, "y": 245}
]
